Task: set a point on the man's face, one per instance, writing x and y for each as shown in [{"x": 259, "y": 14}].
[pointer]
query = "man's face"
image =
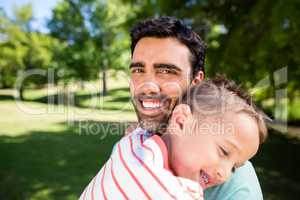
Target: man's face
[{"x": 160, "y": 74}]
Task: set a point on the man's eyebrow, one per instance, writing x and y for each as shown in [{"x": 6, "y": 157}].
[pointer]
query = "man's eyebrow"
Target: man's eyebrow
[
  {"x": 167, "y": 65},
  {"x": 136, "y": 64}
]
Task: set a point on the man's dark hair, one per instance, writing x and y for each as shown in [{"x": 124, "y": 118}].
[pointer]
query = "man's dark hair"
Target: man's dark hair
[{"x": 164, "y": 27}]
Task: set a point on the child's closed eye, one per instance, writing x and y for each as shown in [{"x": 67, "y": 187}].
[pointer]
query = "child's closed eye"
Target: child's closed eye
[{"x": 224, "y": 151}]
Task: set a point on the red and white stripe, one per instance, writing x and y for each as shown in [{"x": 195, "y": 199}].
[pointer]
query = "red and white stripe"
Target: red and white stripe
[{"x": 138, "y": 169}]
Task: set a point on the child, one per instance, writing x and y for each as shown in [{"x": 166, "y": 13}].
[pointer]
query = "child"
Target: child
[{"x": 213, "y": 131}]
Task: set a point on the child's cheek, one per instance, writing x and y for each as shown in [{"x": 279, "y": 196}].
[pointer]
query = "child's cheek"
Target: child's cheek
[{"x": 185, "y": 164}]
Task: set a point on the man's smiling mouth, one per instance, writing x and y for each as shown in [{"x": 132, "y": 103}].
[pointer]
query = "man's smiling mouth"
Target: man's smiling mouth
[{"x": 151, "y": 104}]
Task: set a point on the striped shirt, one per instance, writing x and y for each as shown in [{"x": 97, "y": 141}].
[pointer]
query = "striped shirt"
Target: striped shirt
[{"x": 138, "y": 169}]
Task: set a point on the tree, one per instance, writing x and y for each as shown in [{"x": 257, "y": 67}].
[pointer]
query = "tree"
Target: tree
[
  {"x": 107, "y": 33},
  {"x": 23, "y": 50},
  {"x": 93, "y": 31}
]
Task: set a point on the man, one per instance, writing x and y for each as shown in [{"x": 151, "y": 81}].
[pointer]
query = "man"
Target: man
[{"x": 167, "y": 57}]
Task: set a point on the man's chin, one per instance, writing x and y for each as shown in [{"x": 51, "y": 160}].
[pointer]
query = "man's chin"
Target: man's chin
[{"x": 152, "y": 126}]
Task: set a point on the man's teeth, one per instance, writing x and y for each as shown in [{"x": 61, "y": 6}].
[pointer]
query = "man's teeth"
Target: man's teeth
[{"x": 148, "y": 104}]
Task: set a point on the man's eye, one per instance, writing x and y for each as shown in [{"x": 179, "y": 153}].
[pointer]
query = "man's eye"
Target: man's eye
[
  {"x": 166, "y": 71},
  {"x": 136, "y": 70}
]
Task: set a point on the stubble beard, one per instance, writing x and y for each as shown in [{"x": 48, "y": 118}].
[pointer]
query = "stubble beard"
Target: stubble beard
[
  {"x": 157, "y": 127},
  {"x": 151, "y": 125}
]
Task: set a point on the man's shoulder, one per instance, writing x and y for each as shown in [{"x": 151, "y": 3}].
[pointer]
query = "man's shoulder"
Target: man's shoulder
[{"x": 243, "y": 184}]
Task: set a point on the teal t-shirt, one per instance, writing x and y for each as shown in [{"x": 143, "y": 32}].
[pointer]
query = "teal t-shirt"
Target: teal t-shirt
[{"x": 242, "y": 185}]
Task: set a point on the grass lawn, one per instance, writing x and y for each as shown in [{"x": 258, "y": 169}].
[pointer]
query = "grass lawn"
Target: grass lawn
[
  {"x": 54, "y": 151},
  {"x": 50, "y": 151}
]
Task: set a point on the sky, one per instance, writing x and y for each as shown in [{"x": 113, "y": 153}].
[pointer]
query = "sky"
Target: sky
[{"x": 41, "y": 11}]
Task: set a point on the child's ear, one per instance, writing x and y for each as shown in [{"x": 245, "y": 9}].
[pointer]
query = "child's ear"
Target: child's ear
[{"x": 180, "y": 115}]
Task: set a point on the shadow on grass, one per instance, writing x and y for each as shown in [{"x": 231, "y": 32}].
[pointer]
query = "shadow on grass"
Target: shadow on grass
[
  {"x": 55, "y": 165},
  {"x": 4, "y": 97},
  {"x": 118, "y": 99},
  {"x": 58, "y": 165}
]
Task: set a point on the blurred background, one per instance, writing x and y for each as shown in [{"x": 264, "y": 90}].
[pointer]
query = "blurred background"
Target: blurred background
[{"x": 64, "y": 96}]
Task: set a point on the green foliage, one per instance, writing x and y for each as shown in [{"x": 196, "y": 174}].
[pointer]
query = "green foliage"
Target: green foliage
[
  {"x": 94, "y": 35},
  {"x": 247, "y": 40},
  {"x": 22, "y": 49}
]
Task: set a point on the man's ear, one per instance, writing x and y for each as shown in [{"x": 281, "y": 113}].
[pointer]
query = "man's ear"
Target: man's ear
[
  {"x": 198, "y": 78},
  {"x": 180, "y": 115}
]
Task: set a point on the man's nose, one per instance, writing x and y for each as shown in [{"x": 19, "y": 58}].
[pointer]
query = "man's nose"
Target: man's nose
[{"x": 150, "y": 86}]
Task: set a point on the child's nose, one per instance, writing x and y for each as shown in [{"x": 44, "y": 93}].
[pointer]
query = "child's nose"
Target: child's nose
[{"x": 222, "y": 174}]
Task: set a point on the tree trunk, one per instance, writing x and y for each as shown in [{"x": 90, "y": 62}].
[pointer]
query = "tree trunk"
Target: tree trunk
[
  {"x": 21, "y": 93},
  {"x": 104, "y": 86}
]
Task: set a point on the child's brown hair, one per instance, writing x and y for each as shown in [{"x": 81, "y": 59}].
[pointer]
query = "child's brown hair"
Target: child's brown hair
[{"x": 220, "y": 95}]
